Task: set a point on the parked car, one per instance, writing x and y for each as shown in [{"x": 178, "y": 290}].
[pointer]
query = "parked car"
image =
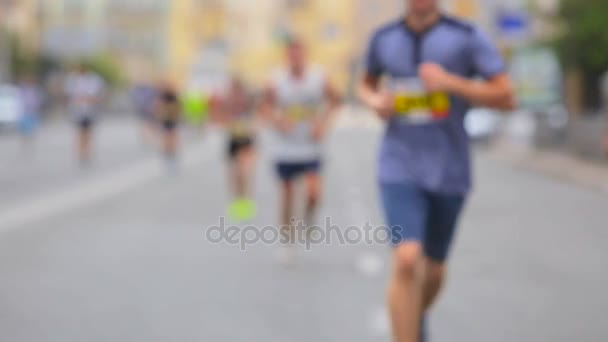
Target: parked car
[{"x": 10, "y": 107}]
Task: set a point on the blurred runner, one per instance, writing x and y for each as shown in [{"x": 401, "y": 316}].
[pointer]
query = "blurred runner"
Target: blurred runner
[
  {"x": 235, "y": 110},
  {"x": 84, "y": 90},
  {"x": 299, "y": 102},
  {"x": 32, "y": 99},
  {"x": 143, "y": 96},
  {"x": 428, "y": 62},
  {"x": 168, "y": 112}
]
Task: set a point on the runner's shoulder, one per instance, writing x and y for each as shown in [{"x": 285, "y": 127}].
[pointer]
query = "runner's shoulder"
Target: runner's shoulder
[
  {"x": 387, "y": 29},
  {"x": 459, "y": 24}
]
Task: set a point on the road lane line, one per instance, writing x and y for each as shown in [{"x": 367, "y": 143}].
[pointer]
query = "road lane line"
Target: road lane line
[
  {"x": 370, "y": 264},
  {"x": 379, "y": 325},
  {"x": 103, "y": 188}
]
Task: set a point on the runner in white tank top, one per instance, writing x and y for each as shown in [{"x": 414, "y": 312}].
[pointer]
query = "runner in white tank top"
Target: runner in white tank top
[{"x": 298, "y": 103}]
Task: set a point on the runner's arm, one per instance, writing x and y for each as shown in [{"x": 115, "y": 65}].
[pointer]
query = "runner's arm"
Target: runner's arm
[
  {"x": 367, "y": 90},
  {"x": 494, "y": 93},
  {"x": 494, "y": 90},
  {"x": 332, "y": 100},
  {"x": 267, "y": 104},
  {"x": 324, "y": 120},
  {"x": 370, "y": 94}
]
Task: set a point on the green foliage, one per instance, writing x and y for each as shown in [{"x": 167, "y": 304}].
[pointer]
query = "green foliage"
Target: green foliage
[
  {"x": 584, "y": 42},
  {"x": 106, "y": 67},
  {"x": 26, "y": 62}
]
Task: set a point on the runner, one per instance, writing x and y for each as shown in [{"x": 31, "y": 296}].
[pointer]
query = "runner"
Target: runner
[
  {"x": 298, "y": 102},
  {"x": 168, "y": 111},
  {"x": 84, "y": 90},
  {"x": 235, "y": 111},
  {"x": 428, "y": 62},
  {"x": 143, "y": 95},
  {"x": 32, "y": 99}
]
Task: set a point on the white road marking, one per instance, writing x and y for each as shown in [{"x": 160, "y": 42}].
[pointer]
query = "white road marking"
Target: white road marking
[
  {"x": 369, "y": 264},
  {"x": 379, "y": 323},
  {"x": 89, "y": 192}
]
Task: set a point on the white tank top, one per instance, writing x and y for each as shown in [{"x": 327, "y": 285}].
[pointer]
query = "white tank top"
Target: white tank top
[{"x": 301, "y": 100}]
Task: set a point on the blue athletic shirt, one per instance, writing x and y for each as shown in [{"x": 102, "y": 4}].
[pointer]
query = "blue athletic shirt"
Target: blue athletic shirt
[{"x": 426, "y": 143}]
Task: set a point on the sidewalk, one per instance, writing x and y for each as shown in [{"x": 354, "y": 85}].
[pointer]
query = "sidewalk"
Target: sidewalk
[{"x": 556, "y": 164}]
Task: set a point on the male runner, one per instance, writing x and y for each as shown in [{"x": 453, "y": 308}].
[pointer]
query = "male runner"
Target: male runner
[
  {"x": 84, "y": 90},
  {"x": 299, "y": 102},
  {"x": 143, "y": 96},
  {"x": 32, "y": 99},
  {"x": 235, "y": 110},
  {"x": 428, "y": 62},
  {"x": 168, "y": 110}
]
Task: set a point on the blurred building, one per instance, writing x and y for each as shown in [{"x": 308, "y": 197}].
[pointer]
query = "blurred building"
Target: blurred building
[
  {"x": 21, "y": 18},
  {"x": 18, "y": 20},
  {"x": 72, "y": 29},
  {"x": 176, "y": 38},
  {"x": 251, "y": 37},
  {"x": 331, "y": 29},
  {"x": 136, "y": 34},
  {"x": 145, "y": 37}
]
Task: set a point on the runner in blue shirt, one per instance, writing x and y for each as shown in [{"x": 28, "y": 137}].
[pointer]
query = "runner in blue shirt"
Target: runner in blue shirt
[{"x": 423, "y": 73}]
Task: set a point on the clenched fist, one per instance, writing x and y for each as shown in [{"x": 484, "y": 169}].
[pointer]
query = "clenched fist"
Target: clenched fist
[{"x": 384, "y": 105}]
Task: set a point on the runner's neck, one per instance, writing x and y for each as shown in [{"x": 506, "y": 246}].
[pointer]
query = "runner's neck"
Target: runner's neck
[{"x": 420, "y": 23}]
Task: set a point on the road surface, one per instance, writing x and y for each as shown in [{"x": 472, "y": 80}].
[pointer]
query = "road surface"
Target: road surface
[{"x": 120, "y": 252}]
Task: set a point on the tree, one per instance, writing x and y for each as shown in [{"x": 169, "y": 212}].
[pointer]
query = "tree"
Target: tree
[{"x": 583, "y": 42}]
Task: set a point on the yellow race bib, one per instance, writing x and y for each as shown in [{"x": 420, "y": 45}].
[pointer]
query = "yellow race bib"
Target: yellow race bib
[
  {"x": 413, "y": 104},
  {"x": 300, "y": 113},
  {"x": 433, "y": 105}
]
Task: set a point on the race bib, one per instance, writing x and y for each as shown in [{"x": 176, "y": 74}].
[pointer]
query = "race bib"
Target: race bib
[
  {"x": 300, "y": 113},
  {"x": 414, "y": 105}
]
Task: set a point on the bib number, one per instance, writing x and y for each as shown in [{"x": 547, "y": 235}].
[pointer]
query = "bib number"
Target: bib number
[
  {"x": 414, "y": 105},
  {"x": 300, "y": 113},
  {"x": 433, "y": 105}
]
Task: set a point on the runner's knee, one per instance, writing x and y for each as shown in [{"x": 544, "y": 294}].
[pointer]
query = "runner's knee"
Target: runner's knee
[{"x": 408, "y": 259}]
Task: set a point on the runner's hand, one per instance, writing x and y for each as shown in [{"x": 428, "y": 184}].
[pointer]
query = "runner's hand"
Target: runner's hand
[
  {"x": 434, "y": 77},
  {"x": 384, "y": 105}
]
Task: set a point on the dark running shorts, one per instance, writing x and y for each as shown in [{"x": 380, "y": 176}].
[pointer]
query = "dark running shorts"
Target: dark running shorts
[
  {"x": 169, "y": 125},
  {"x": 84, "y": 123},
  {"x": 290, "y": 170},
  {"x": 415, "y": 214},
  {"x": 236, "y": 145}
]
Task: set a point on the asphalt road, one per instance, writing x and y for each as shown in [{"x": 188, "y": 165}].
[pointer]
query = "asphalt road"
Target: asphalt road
[{"x": 120, "y": 252}]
